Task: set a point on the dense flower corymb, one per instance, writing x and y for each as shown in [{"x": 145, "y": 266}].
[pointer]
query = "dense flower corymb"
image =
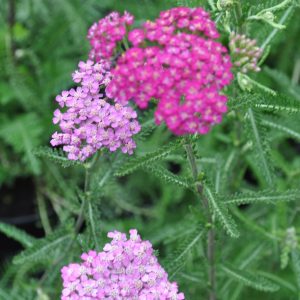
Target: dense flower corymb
[
  {"x": 105, "y": 34},
  {"x": 177, "y": 61},
  {"x": 127, "y": 269},
  {"x": 88, "y": 121}
]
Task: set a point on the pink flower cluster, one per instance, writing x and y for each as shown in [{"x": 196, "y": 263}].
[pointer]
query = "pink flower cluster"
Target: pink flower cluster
[
  {"x": 126, "y": 269},
  {"x": 105, "y": 34},
  {"x": 88, "y": 122},
  {"x": 176, "y": 61}
]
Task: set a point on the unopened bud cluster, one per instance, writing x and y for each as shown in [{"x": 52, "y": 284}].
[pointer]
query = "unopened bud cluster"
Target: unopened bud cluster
[{"x": 245, "y": 53}]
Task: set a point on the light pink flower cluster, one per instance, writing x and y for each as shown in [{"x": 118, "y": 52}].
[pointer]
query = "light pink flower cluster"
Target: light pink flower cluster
[
  {"x": 245, "y": 53},
  {"x": 176, "y": 61},
  {"x": 105, "y": 34},
  {"x": 88, "y": 122},
  {"x": 126, "y": 269}
]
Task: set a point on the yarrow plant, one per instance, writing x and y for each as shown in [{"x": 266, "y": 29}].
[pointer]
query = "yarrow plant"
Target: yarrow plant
[
  {"x": 178, "y": 66},
  {"x": 177, "y": 61},
  {"x": 89, "y": 122},
  {"x": 126, "y": 269}
]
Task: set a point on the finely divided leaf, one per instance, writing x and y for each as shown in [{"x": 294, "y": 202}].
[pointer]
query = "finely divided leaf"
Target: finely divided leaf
[
  {"x": 56, "y": 156},
  {"x": 221, "y": 212},
  {"x": 177, "y": 259},
  {"x": 296, "y": 265},
  {"x": 257, "y": 136},
  {"x": 23, "y": 134},
  {"x": 138, "y": 162},
  {"x": 17, "y": 234},
  {"x": 250, "y": 279},
  {"x": 265, "y": 196},
  {"x": 286, "y": 126},
  {"x": 42, "y": 248},
  {"x": 167, "y": 176},
  {"x": 266, "y": 102}
]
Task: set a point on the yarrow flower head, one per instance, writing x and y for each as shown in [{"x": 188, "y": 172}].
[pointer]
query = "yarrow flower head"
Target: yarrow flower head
[
  {"x": 177, "y": 61},
  {"x": 105, "y": 34},
  {"x": 126, "y": 269},
  {"x": 245, "y": 53},
  {"x": 88, "y": 122}
]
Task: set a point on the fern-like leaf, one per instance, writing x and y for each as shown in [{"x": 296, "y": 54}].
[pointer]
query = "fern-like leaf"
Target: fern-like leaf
[
  {"x": 257, "y": 136},
  {"x": 222, "y": 214},
  {"x": 177, "y": 259},
  {"x": 296, "y": 265},
  {"x": 23, "y": 135},
  {"x": 285, "y": 126},
  {"x": 167, "y": 176},
  {"x": 265, "y": 196},
  {"x": 94, "y": 222},
  {"x": 250, "y": 279},
  {"x": 265, "y": 102},
  {"x": 138, "y": 162},
  {"x": 42, "y": 248},
  {"x": 56, "y": 155},
  {"x": 17, "y": 234}
]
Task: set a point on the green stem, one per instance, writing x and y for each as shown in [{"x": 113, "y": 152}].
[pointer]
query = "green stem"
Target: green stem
[
  {"x": 211, "y": 231},
  {"x": 80, "y": 218},
  {"x": 43, "y": 213},
  {"x": 238, "y": 13}
]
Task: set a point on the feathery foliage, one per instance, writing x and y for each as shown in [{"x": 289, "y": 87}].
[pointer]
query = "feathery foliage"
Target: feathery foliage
[
  {"x": 42, "y": 248},
  {"x": 264, "y": 196},
  {"x": 221, "y": 212},
  {"x": 250, "y": 279},
  {"x": 56, "y": 155},
  {"x": 18, "y": 235},
  {"x": 135, "y": 163}
]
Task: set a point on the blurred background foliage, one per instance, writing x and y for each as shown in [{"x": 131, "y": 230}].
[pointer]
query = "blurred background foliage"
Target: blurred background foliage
[{"x": 41, "y": 42}]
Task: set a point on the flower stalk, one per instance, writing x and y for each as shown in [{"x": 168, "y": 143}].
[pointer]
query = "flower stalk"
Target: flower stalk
[{"x": 210, "y": 223}]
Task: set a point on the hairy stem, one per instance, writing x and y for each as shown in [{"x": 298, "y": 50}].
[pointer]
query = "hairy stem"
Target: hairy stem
[{"x": 211, "y": 231}]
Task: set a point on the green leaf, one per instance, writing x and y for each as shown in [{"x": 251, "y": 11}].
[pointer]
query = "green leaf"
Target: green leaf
[
  {"x": 94, "y": 222},
  {"x": 23, "y": 134},
  {"x": 167, "y": 176},
  {"x": 284, "y": 82},
  {"x": 250, "y": 279},
  {"x": 221, "y": 212},
  {"x": 177, "y": 259},
  {"x": 265, "y": 196},
  {"x": 42, "y": 248},
  {"x": 296, "y": 265},
  {"x": 279, "y": 281},
  {"x": 139, "y": 162},
  {"x": 57, "y": 156},
  {"x": 17, "y": 234},
  {"x": 265, "y": 102},
  {"x": 284, "y": 126},
  {"x": 257, "y": 135}
]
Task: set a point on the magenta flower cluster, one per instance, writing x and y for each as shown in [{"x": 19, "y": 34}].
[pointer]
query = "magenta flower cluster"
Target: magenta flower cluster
[
  {"x": 126, "y": 269},
  {"x": 88, "y": 122},
  {"x": 105, "y": 35},
  {"x": 177, "y": 61}
]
